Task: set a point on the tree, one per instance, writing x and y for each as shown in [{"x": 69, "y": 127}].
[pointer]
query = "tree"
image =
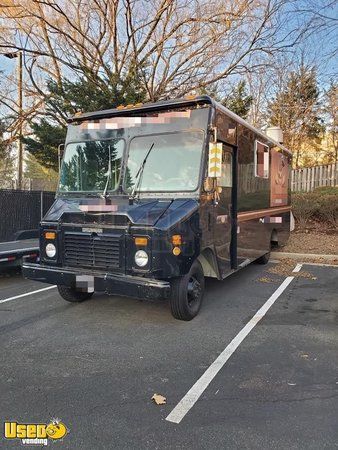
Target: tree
[
  {"x": 180, "y": 44},
  {"x": 239, "y": 101},
  {"x": 41, "y": 177},
  {"x": 330, "y": 110},
  {"x": 44, "y": 141},
  {"x": 167, "y": 48},
  {"x": 296, "y": 109}
]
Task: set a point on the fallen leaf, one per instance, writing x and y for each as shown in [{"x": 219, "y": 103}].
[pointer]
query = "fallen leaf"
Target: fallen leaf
[
  {"x": 159, "y": 399},
  {"x": 265, "y": 280}
]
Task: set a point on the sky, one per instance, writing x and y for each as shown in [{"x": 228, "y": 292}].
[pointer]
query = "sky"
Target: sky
[{"x": 317, "y": 50}]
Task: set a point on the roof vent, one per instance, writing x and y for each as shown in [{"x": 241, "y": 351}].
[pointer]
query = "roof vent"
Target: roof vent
[{"x": 275, "y": 133}]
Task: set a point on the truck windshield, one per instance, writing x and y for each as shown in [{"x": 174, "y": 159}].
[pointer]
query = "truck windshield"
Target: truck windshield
[
  {"x": 172, "y": 165},
  {"x": 85, "y": 166}
]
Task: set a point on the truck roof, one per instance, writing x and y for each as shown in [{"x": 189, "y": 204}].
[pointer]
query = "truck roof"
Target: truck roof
[{"x": 163, "y": 105}]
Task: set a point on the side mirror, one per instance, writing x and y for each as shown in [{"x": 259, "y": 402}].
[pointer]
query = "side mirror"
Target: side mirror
[{"x": 61, "y": 149}]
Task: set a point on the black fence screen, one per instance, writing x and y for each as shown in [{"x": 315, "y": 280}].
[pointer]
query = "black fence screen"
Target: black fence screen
[{"x": 22, "y": 210}]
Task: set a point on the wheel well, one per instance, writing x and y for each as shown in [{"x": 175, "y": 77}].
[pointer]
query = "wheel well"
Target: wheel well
[{"x": 208, "y": 262}]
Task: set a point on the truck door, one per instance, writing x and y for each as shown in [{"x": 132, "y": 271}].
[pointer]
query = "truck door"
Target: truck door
[{"x": 225, "y": 226}]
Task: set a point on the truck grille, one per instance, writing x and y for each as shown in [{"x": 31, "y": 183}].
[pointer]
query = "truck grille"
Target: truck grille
[{"x": 92, "y": 250}]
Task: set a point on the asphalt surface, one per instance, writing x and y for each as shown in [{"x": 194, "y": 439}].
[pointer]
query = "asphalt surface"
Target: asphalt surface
[{"x": 96, "y": 365}]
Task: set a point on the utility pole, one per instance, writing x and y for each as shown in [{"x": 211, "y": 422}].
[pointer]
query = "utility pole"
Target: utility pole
[
  {"x": 12, "y": 55},
  {"x": 20, "y": 144}
]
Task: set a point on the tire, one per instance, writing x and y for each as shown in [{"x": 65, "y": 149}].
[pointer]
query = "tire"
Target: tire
[
  {"x": 263, "y": 259},
  {"x": 72, "y": 295},
  {"x": 187, "y": 293}
]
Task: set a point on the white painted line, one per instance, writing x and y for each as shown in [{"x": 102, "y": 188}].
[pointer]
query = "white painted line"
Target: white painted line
[
  {"x": 191, "y": 397},
  {"x": 320, "y": 264},
  {"x": 298, "y": 267},
  {"x": 27, "y": 293}
]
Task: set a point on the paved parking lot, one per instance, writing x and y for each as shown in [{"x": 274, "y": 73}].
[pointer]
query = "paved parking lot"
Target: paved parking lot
[{"x": 96, "y": 365}]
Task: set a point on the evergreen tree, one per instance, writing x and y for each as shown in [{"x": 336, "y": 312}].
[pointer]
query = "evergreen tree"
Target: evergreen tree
[
  {"x": 211, "y": 90},
  {"x": 239, "y": 101},
  {"x": 296, "y": 109},
  {"x": 330, "y": 110},
  {"x": 82, "y": 95},
  {"x": 43, "y": 178},
  {"x": 43, "y": 146}
]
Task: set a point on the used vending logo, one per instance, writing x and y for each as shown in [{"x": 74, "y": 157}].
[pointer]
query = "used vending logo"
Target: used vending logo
[{"x": 35, "y": 433}]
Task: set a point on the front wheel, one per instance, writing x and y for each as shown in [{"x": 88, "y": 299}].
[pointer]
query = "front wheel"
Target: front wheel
[
  {"x": 187, "y": 293},
  {"x": 72, "y": 295}
]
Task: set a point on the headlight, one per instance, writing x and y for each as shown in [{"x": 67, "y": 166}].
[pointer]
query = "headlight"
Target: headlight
[
  {"x": 141, "y": 258},
  {"x": 50, "y": 250}
]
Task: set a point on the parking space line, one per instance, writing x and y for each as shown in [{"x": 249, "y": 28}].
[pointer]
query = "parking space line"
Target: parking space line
[
  {"x": 320, "y": 264},
  {"x": 191, "y": 397},
  {"x": 27, "y": 293}
]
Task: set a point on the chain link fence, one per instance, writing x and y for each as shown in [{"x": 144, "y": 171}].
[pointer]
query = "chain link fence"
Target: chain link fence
[{"x": 22, "y": 210}]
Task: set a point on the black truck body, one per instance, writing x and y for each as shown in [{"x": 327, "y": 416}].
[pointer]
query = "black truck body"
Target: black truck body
[{"x": 196, "y": 188}]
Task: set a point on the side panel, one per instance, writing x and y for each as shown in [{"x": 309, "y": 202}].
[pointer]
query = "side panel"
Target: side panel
[
  {"x": 267, "y": 199},
  {"x": 262, "y": 199}
]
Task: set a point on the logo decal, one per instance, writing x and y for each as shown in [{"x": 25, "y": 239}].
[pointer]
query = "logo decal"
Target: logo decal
[{"x": 36, "y": 433}]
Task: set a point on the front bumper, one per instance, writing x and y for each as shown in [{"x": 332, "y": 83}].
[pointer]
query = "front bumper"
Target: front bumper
[{"x": 116, "y": 284}]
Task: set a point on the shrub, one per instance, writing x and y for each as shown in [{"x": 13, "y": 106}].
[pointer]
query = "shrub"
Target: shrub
[
  {"x": 326, "y": 190},
  {"x": 328, "y": 209},
  {"x": 321, "y": 205},
  {"x": 304, "y": 207}
]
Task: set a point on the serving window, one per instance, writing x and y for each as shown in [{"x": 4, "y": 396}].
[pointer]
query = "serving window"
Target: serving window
[{"x": 261, "y": 160}]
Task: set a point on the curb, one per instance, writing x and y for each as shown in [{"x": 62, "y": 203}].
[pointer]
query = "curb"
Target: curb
[{"x": 303, "y": 256}]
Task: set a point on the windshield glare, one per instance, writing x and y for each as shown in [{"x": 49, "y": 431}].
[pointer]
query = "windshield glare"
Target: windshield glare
[
  {"x": 85, "y": 166},
  {"x": 173, "y": 163}
]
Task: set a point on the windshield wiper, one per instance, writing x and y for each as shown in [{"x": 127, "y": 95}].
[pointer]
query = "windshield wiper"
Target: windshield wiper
[
  {"x": 139, "y": 174},
  {"x": 104, "y": 193}
]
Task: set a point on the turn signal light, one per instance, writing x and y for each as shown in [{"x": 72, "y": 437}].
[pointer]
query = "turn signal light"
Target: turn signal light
[
  {"x": 141, "y": 241},
  {"x": 176, "y": 239},
  {"x": 50, "y": 235}
]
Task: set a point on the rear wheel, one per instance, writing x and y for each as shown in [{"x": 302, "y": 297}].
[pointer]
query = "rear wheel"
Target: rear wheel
[
  {"x": 263, "y": 259},
  {"x": 187, "y": 293},
  {"x": 273, "y": 244},
  {"x": 72, "y": 295}
]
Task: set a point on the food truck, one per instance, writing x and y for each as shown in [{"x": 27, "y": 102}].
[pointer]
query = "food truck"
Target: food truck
[{"x": 153, "y": 198}]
